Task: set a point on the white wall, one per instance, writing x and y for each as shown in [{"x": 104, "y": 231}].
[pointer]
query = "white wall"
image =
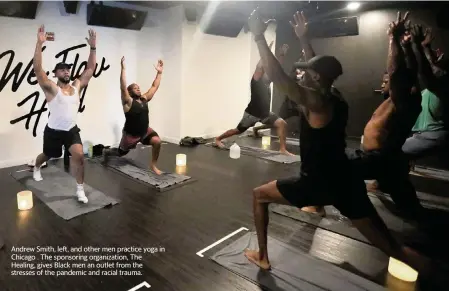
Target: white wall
[
  {"x": 102, "y": 119},
  {"x": 216, "y": 79},
  {"x": 204, "y": 91}
]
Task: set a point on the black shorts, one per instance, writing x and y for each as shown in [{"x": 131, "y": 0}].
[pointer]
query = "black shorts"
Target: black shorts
[
  {"x": 288, "y": 109},
  {"x": 391, "y": 170},
  {"x": 249, "y": 120},
  {"x": 55, "y": 139},
  {"x": 345, "y": 192}
]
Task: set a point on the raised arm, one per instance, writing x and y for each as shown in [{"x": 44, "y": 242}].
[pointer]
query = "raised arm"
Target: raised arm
[
  {"x": 126, "y": 98},
  {"x": 88, "y": 72},
  {"x": 402, "y": 79},
  {"x": 298, "y": 94},
  {"x": 421, "y": 44},
  {"x": 300, "y": 27},
  {"x": 157, "y": 81},
  {"x": 49, "y": 87},
  {"x": 258, "y": 73},
  {"x": 410, "y": 58}
]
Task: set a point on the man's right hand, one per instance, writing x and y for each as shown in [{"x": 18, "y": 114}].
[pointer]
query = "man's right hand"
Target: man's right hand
[
  {"x": 398, "y": 28},
  {"x": 122, "y": 62},
  {"x": 41, "y": 35},
  {"x": 300, "y": 24}
]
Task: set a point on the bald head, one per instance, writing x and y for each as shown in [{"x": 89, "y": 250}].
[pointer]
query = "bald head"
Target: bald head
[{"x": 134, "y": 90}]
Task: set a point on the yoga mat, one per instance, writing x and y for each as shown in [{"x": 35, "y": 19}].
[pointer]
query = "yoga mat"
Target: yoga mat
[
  {"x": 163, "y": 182},
  {"x": 58, "y": 191},
  {"x": 431, "y": 173},
  {"x": 291, "y": 269},
  {"x": 335, "y": 222},
  {"x": 269, "y": 155}
]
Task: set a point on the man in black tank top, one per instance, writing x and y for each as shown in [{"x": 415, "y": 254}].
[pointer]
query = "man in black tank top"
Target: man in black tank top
[
  {"x": 258, "y": 109},
  {"x": 136, "y": 129},
  {"x": 326, "y": 175}
]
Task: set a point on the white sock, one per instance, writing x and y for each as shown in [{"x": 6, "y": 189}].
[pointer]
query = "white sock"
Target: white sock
[
  {"x": 80, "y": 186},
  {"x": 37, "y": 173}
]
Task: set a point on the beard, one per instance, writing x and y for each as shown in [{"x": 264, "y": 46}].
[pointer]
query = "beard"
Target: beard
[{"x": 64, "y": 80}]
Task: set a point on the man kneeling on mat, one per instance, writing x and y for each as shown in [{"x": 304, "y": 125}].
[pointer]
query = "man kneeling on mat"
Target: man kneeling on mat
[
  {"x": 136, "y": 129},
  {"x": 327, "y": 177},
  {"x": 258, "y": 109},
  {"x": 63, "y": 101}
]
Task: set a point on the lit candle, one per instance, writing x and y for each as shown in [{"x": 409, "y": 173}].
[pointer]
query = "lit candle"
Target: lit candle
[
  {"x": 181, "y": 160},
  {"x": 266, "y": 140},
  {"x": 24, "y": 200},
  {"x": 181, "y": 170},
  {"x": 402, "y": 271}
]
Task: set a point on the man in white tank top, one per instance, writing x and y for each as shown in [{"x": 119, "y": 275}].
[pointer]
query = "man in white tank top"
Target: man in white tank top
[{"x": 63, "y": 101}]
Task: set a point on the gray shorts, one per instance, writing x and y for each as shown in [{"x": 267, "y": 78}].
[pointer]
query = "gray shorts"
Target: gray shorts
[{"x": 249, "y": 120}]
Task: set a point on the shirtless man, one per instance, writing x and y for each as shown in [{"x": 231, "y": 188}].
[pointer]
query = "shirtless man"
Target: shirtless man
[
  {"x": 381, "y": 157},
  {"x": 63, "y": 103},
  {"x": 326, "y": 174},
  {"x": 258, "y": 109},
  {"x": 136, "y": 129}
]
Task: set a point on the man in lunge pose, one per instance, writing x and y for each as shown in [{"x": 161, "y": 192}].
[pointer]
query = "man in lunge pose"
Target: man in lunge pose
[
  {"x": 63, "y": 101},
  {"x": 136, "y": 129},
  {"x": 327, "y": 177},
  {"x": 382, "y": 157},
  {"x": 258, "y": 109}
]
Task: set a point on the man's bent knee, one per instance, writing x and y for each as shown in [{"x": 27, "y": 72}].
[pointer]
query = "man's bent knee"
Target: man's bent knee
[
  {"x": 155, "y": 140},
  {"x": 280, "y": 123},
  {"x": 267, "y": 193}
]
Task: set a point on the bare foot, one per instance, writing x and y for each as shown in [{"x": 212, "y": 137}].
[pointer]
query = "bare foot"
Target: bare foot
[
  {"x": 285, "y": 152},
  {"x": 156, "y": 170},
  {"x": 256, "y": 132},
  {"x": 319, "y": 210},
  {"x": 254, "y": 257},
  {"x": 372, "y": 187},
  {"x": 219, "y": 144}
]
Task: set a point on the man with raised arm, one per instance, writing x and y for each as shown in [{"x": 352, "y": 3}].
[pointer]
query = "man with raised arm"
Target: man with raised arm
[
  {"x": 258, "y": 109},
  {"x": 136, "y": 128},
  {"x": 381, "y": 156},
  {"x": 327, "y": 177},
  {"x": 63, "y": 101}
]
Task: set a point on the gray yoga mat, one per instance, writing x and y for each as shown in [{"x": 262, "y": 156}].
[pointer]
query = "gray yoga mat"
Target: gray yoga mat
[
  {"x": 291, "y": 269},
  {"x": 163, "y": 182},
  {"x": 335, "y": 222},
  {"x": 58, "y": 191},
  {"x": 269, "y": 155},
  {"x": 431, "y": 173}
]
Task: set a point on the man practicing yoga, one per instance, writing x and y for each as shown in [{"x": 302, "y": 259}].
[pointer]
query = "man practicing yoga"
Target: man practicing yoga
[
  {"x": 63, "y": 101},
  {"x": 258, "y": 109},
  {"x": 431, "y": 129},
  {"x": 326, "y": 175},
  {"x": 381, "y": 157},
  {"x": 136, "y": 129}
]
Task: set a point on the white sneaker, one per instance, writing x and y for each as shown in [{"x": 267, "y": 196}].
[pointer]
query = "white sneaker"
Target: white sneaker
[
  {"x": 81, "y": 196},
  {"x": 37, "y": 174}
]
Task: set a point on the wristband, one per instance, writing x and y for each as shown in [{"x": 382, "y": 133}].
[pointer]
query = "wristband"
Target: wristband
[{"x": 93, "y": 48}]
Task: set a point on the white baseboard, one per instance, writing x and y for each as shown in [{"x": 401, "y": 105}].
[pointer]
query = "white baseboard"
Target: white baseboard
[{"x": 16, "y": 162}]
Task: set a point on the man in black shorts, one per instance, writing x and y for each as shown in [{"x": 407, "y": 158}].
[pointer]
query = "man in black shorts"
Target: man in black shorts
[
  {"x": 258, "y": 109},
  {"x": 63, "y": 100},
  {"x": 326, "y": 174}
]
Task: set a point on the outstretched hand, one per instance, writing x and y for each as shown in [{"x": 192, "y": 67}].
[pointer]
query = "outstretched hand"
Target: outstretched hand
[
  {"x": 160, "y": 66},
  {"x": 428, "y": 37},
  {"x": 41, "y": 35},
  {"x": 300, "y": 24},
  {"x": 122, "y": 62},
  {"x": 417, "y": 34},
  {"x": 92, "y": 40},
  {"x": 255, "y": 23},
  {"x": 398, "y": 28}
]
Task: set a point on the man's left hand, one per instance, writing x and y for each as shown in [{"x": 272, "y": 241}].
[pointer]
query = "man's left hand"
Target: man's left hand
[{"x": 92, "y": 40}]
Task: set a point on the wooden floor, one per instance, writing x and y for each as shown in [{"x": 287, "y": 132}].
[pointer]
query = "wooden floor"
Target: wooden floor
[{"x": 183, "y": 221}]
